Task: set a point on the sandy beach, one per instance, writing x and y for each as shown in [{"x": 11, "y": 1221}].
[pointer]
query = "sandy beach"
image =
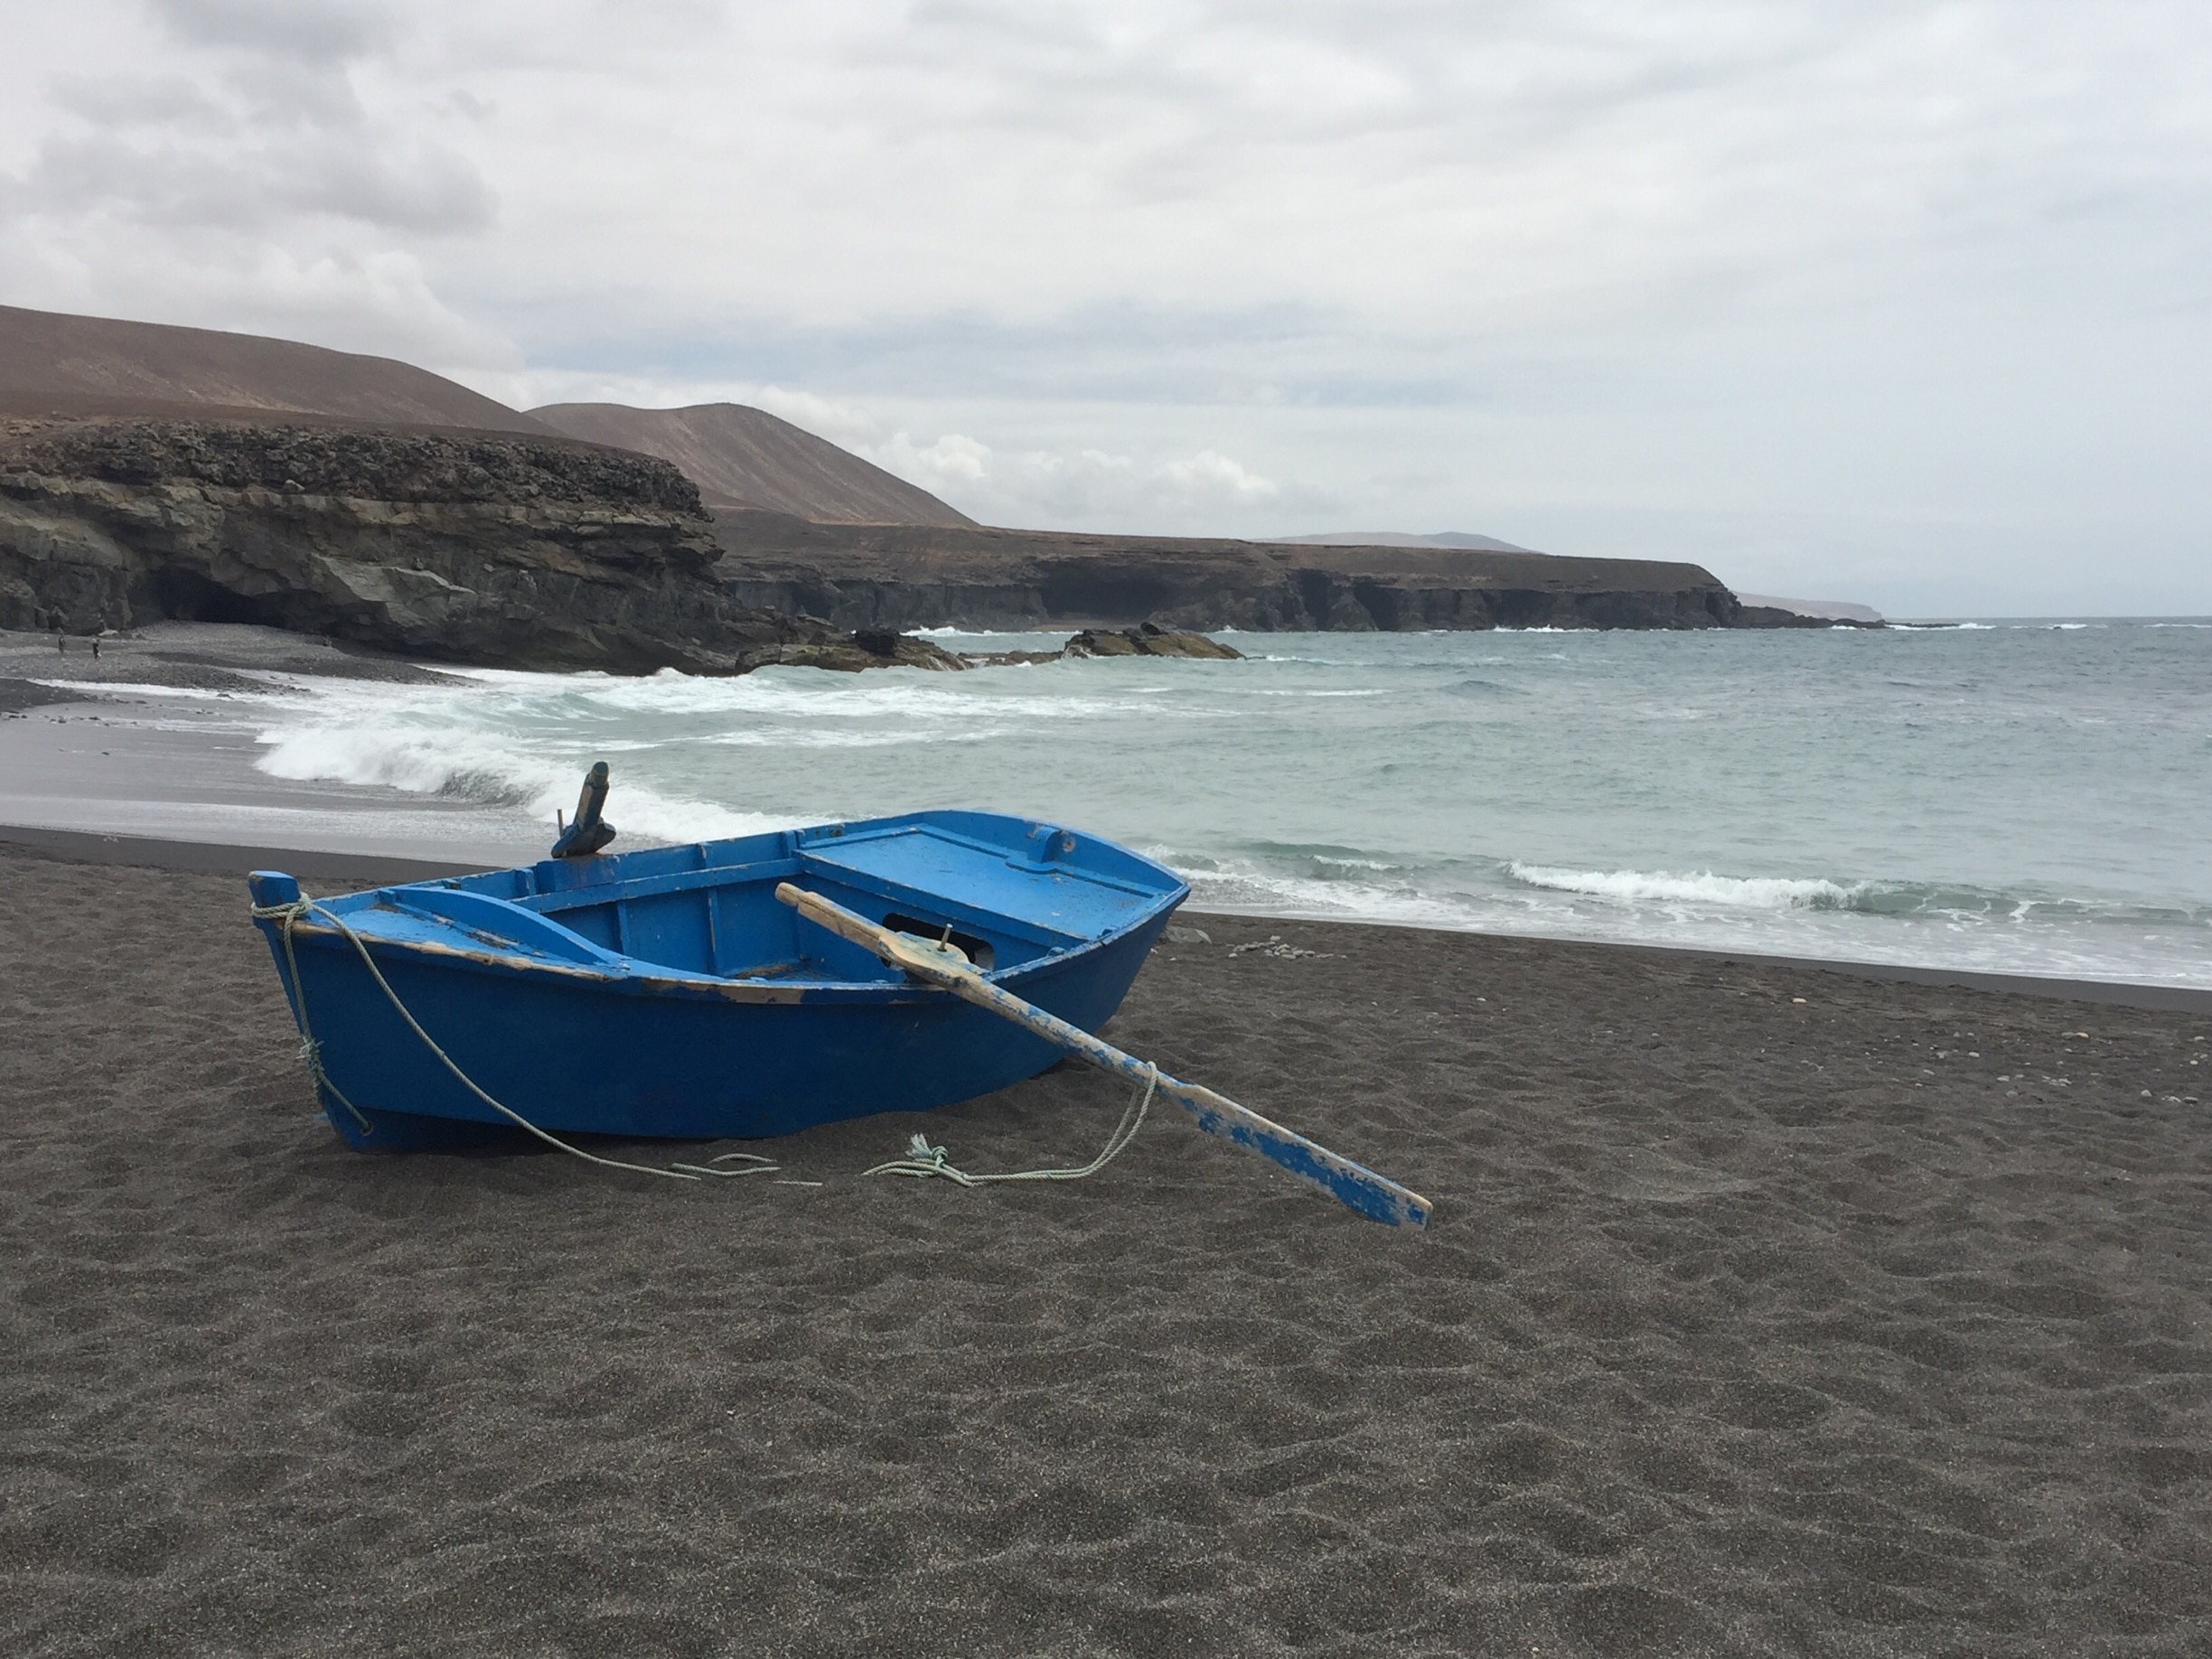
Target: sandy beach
[{"x": 1766, "y": 1311}]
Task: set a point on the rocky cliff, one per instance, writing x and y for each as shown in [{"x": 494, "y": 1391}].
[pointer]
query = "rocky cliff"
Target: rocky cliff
[
  {"x": 490, "y": 549},
  {"x": 906, "y": 576}
]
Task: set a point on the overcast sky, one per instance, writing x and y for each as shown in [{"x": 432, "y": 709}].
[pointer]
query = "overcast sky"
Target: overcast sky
[{"x": 1869, "y": 299}]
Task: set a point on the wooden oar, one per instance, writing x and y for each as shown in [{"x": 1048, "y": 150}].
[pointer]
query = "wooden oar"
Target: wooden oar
[{"x": 1352, "y": 1184}]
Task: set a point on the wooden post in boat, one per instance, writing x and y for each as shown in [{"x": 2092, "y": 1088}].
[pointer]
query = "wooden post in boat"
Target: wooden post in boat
[{"x": 1355, "y": 1185}]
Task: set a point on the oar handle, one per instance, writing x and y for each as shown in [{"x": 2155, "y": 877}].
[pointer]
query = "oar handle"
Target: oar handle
[{"x": 1355, "y": 1185}]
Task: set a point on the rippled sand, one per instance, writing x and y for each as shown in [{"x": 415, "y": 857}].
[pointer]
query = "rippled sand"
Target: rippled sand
[{"x": 1871, "y": 1324}]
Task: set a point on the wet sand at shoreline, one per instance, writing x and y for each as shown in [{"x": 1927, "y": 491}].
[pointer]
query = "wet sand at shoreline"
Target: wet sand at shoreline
[{"x": 1870, "y": 1323}]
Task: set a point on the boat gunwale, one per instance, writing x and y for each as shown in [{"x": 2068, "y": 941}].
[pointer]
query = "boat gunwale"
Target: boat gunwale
[
  {"x": 659, "y": 980},
  {"x": 635, "y": 975}
]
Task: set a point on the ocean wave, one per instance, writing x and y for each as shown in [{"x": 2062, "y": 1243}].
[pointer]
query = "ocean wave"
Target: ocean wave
[
  {"x": 1481, "y": 688},
  {"x": 1703, "y": 887},
  {"x": 1322, "y": 858},
  {"x": 795, "y": 738},
  {"x": 1303, "y": 691},
  {"x": 1923, "y": 924},
  {"x": 1257, "y": 892},
  {"x": 1949, "y": 905},
  {"x": 798, "y": 697},
  {"x": 485, "y": 770}
]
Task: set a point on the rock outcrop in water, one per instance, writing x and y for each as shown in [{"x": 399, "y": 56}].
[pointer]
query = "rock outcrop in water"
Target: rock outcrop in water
[
  {"x": 1149, "y": 640},
  {"x": 908, "y": 577},
  {"x": 489, "y": 549}
]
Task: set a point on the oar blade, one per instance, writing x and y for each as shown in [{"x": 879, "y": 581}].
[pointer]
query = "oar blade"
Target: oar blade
[{"x": 1355, "y": 1185}]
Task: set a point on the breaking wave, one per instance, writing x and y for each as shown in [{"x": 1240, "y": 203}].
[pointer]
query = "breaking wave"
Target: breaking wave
[
  {"x": 1703, "y": 888},
  {"x": 478, "y": 767}
]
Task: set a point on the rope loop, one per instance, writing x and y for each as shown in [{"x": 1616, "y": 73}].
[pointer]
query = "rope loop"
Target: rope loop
[{"x": 924, "y": 1162}]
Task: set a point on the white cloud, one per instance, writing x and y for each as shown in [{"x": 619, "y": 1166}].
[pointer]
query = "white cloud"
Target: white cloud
[
  {"x": 1616, "y": 276},
  {"x": 1075, "y": 488},
  {"x": 227, "y": 172},
  {"x": 1206, "y": 471},
  {"x": 952, "y": 461},
  {"x": 327, "y": 31}
]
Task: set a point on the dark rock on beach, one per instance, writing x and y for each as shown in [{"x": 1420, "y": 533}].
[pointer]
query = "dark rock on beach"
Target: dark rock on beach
[{"x": 489, "y": 549}]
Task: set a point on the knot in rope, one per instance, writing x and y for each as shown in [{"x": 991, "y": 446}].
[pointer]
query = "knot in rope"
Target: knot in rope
[
  {"x": 310, "y": 1050},
  {"x": 924, "y": 1161}
]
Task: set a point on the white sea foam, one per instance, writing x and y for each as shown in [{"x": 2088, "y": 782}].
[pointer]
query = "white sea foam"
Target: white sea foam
[
  {"x": 482, "y": 767},
  {"x": 788, "y": 737},
  {"x": 132, "y": 689},
  {"x": 1703, "y": 887},
  {"x": 1302, "y": 692}
]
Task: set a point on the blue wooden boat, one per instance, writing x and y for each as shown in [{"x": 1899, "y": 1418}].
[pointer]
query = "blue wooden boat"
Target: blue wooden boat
[{"x": 667, "y": 992}]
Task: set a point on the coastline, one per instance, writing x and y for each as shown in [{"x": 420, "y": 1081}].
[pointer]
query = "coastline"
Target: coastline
[
  {"x": 374, "y": 869},
  {"x": 1765, "y": 1309}
]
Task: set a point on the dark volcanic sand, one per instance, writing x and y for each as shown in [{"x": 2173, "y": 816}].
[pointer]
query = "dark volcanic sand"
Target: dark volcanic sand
[{"x": 1746, "y": 1327}]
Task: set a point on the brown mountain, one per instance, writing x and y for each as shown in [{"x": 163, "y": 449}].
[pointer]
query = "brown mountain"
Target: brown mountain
[
  {"x": 52, "y": 363},
  {"x": 745, "y": 458}
]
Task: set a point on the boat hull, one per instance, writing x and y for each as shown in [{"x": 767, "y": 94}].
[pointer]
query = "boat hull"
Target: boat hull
[
  {"x": 578, "y": 1049},
  {"x": 578, "y": 1059}
]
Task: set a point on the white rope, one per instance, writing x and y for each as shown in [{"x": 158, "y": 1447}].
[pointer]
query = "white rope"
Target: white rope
[
  {"x": 922, "y": 1161},
  {"x": 312, "y": 1052}
]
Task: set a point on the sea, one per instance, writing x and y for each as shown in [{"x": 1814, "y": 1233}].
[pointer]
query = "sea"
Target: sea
[{"x": 2017, "y": 796}]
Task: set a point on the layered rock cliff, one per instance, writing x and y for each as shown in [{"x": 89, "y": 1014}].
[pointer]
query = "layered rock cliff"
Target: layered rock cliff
[
  {"x": 906, "y": 576},
  {"x": 490, "y": 548}
]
